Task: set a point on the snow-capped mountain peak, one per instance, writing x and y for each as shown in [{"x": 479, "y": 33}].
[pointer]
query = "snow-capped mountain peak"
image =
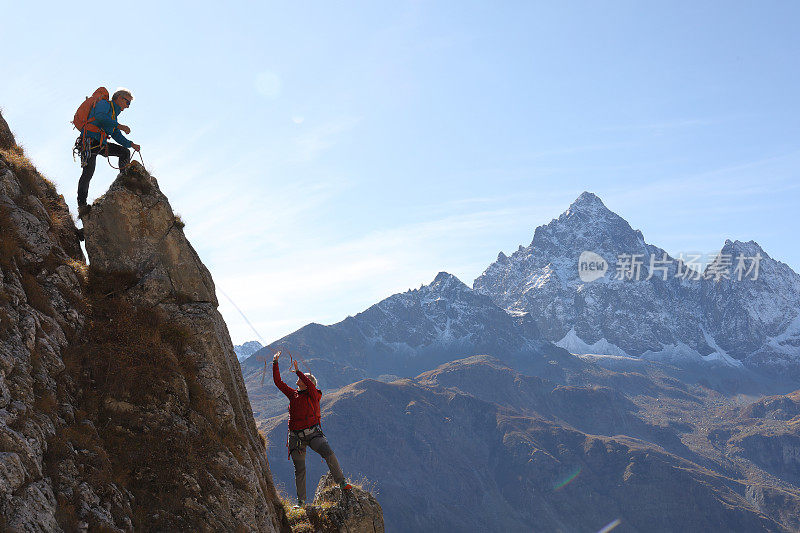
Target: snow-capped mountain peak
[
  {"x": 733, "y": 308},
  {"x": 445, "y": 282},
  {"x": 245, "y": 350},
  {"x": 587, "y": 202}
]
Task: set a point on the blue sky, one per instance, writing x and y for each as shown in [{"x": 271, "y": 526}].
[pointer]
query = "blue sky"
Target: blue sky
[{"x": 326, "y": 156}]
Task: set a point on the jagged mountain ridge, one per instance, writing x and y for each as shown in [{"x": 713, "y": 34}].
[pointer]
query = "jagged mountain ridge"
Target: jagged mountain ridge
[
  {"x": 716, "y": 319},
  {"x": 246, "y": 349},
  {"x": 403, "y": 335},
  {"x": 415, "y": 330},
  {"x": 758, "y": 321}
]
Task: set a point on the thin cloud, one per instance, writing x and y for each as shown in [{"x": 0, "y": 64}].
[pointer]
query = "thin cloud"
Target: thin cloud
[
  {"x": 770, "y": 174},
  {"x": 309, "y": 145},
  {"x": 269, "y": 84},
  {"x": 666, "y": 125},
  {"x": 313, "y": 282}
]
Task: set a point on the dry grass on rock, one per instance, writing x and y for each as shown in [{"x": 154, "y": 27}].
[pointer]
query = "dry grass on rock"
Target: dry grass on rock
[
  {"x": 137, "y": 380},
  {"x": 34, "y": 184}
]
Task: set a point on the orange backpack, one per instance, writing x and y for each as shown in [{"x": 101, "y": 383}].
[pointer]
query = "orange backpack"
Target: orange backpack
[{"x": 82, "y": 120}]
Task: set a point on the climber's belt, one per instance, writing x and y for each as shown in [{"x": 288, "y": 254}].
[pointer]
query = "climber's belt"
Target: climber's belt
[
  {"x": 296, "y": 439},
  {"x": 305, "y": 433}
]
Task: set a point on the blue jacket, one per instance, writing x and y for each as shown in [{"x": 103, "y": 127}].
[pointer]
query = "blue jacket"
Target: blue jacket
[{"x": 105, "y": 117}]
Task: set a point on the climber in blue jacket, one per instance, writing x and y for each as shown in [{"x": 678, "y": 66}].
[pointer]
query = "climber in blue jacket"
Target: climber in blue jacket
[{"x": 105, "y": 115}]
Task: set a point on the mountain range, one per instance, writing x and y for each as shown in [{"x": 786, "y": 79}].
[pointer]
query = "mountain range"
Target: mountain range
[
  {"x": 526, "y": 306},
  {"x": 587, "y": 380},
  {"x": 474, "y": 445},
  {"x": 671, "y": 311}
]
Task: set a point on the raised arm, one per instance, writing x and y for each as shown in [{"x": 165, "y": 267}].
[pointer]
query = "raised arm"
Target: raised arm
[
  {"x": 276, "y": 377},
  {"x": 310, "y": 387}
]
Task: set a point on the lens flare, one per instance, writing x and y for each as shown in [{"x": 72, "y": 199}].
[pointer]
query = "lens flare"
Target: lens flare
[
  {"x": 611, "y": 525},
  {"x": 567, "y": 480}
]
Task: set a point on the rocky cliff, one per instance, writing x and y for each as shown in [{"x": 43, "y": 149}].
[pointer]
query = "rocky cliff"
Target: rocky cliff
[
  {"x": 331, "y": 511},
  {"x": 122, "y": 405},
  {"x": 42, "y": 309}
]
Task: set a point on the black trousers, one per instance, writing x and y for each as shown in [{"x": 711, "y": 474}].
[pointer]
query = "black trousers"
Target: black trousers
[{"x": 114, "y": 150}]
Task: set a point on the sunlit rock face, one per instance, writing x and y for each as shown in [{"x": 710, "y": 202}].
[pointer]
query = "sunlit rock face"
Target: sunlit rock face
[{"x": 41, "y": 312}]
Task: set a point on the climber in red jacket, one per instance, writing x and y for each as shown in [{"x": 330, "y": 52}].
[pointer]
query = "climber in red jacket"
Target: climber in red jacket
[{"x": 304, "y": 428}]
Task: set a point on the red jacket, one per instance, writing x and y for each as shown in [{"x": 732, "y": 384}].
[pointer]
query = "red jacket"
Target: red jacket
[{"x": 304, "y": 404}]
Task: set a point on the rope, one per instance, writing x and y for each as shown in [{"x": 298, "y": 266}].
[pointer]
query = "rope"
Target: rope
[
  {"x": 129, "y": 163},
  {"x": 292, "y": 358},
  {"x": 263, "y": 342},
  {"x": 140, "y": 157},
  {"x": 273, "y": 349}
]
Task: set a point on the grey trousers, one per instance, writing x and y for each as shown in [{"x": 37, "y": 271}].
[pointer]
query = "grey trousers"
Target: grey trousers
[{"x": 297, "y": 450}]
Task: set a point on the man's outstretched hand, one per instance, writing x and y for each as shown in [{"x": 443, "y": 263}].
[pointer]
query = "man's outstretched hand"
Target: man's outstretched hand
[
  {"x": 295, "y": 365},
  {"x": 135, "y": 146},
  {"x": 275, "y": 357}
]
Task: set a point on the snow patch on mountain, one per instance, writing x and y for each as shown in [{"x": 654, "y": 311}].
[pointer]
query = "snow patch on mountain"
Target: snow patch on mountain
[
  {"x": 679, "y": 352},
  {"x": 718, "y": 354},
  {"x": 245, "y": 350},
  {"x": 789, "y": 341},
  {"x": 574, "y": 344}
]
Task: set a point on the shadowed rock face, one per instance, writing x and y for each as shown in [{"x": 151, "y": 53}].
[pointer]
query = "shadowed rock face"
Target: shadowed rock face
[
  {"x": 132, "y": 231},
  {"x": 40, "y": 312},
  {"x": 122, "y": 405}
]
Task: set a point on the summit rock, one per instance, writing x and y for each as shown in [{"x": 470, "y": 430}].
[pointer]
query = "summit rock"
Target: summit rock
[{"x": 132, "y": 234}]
